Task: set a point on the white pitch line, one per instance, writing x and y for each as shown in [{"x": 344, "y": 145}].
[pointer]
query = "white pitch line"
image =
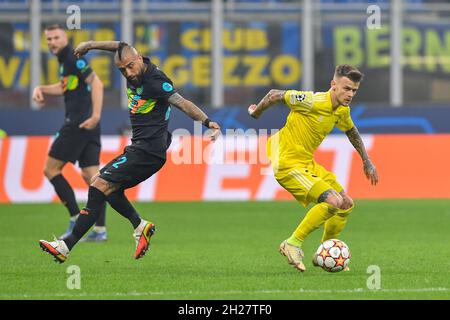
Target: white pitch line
[{"x": 212, "y": 293}]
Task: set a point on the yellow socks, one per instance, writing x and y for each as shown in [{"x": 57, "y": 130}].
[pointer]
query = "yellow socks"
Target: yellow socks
[
  {"x": 334, "y": 226},
  {"x": 315, "y": 217}
]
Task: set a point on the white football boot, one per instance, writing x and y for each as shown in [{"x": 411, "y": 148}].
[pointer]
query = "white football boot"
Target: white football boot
[{"x": 57, "y": 248}]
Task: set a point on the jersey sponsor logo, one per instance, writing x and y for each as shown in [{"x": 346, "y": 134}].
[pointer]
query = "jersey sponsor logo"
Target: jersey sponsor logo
[
  {"x": 167, "y": 87},
  {"x": 70, "y": 82},
  {"x": 138, "y": 105}
]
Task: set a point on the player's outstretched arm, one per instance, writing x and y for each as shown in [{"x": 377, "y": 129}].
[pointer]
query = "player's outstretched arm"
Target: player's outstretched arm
[
  {"x": 195, "y": 113},
  {"x": 369, "y": 169},
  {"x": 84, "y": 47},
  {"x": 272, "y": 97}
]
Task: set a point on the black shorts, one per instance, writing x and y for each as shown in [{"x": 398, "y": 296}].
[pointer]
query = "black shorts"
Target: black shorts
[
  {"x": 132, "y": 167},
  {"x": 73, "y": 144}
]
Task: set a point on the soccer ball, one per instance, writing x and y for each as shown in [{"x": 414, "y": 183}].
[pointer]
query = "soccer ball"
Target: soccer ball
[{"x": 333, "y": 255}]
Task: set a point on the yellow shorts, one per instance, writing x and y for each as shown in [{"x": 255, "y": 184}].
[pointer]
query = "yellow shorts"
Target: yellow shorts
[{"x": 307, "y": 183}]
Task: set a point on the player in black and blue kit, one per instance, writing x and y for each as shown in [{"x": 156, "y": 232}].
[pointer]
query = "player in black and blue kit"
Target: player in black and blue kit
[
  {"x": 150, "y": 96},
  {"x": 79, "y": 137}
]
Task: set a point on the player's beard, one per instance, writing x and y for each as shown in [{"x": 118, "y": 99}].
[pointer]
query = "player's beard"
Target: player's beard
[{"x": 136, "y": 82}]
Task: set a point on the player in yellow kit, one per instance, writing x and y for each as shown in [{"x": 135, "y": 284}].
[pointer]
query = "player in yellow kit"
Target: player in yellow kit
[{"x": 291, "y": 151}]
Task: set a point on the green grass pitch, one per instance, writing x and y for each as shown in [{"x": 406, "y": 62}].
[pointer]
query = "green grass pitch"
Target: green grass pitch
[{"x": 220, "y": 250}]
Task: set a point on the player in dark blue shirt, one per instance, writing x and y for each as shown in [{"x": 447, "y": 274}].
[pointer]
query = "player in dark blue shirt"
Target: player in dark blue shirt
[
  {"x": 79, "y": 137},
  {"x": 150, "y": 96}
]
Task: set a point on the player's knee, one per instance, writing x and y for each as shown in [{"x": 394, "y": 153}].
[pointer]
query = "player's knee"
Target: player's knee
[
  {"x": 53, "y": 167},
  {"x": 332, "y": 198},
  {"x": 86, "y": 177},
  {"x": 89, "y": 176},
  {"x": 347, "y": 203},
  {"x": 95, "y": 176},
  {"x": 104, "y": 186},
  {"x": 50, "y": 173},
  {"x": 47, "y": 173},
  {"x": 335, "y": 202},
  {"x": 99, "y": 184}
]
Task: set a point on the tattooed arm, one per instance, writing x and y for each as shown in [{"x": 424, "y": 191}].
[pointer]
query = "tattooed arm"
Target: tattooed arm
[
  {"x": 195, "y": 113},
  {"x": 369, "y": 169},
  {"x": 84, "y": 47},
  {"x": 272, "y": 97}
]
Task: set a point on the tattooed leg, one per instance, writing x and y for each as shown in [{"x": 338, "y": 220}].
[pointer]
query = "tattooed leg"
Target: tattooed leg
[
  {"x": 347, "y": 202},
  {"x": 331, "y": 197}
]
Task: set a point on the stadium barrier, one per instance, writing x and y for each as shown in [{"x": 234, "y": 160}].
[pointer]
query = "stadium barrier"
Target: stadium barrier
[{"x": 409, "y": 166}]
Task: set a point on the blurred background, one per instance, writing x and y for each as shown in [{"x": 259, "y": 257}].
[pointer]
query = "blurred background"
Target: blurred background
[
  {"x": 403, "y": 47},
  {"x": 265, "y": 44},
  {"x": 226, "y": 54}
]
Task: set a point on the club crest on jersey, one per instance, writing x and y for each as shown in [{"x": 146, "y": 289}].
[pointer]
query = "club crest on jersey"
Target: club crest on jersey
[{"x": 300, "y": 97}]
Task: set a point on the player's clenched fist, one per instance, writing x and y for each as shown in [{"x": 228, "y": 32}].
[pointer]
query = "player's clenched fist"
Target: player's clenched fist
[
  {"x": 252, "y": 111},
  {"x": 38, "y": 96},
  {"x": 215, "y": 130}
]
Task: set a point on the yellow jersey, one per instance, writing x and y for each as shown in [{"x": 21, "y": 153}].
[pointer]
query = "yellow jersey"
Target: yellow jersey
[{"x": 311, "y": 119}]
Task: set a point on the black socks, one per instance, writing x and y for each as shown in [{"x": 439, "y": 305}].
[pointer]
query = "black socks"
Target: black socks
[
  {"x": 101, "y": 220},
  {"x": 120, "y": 203},
  {"x": 65, "y": 194},
  {"x": 88, "y": 216}
]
